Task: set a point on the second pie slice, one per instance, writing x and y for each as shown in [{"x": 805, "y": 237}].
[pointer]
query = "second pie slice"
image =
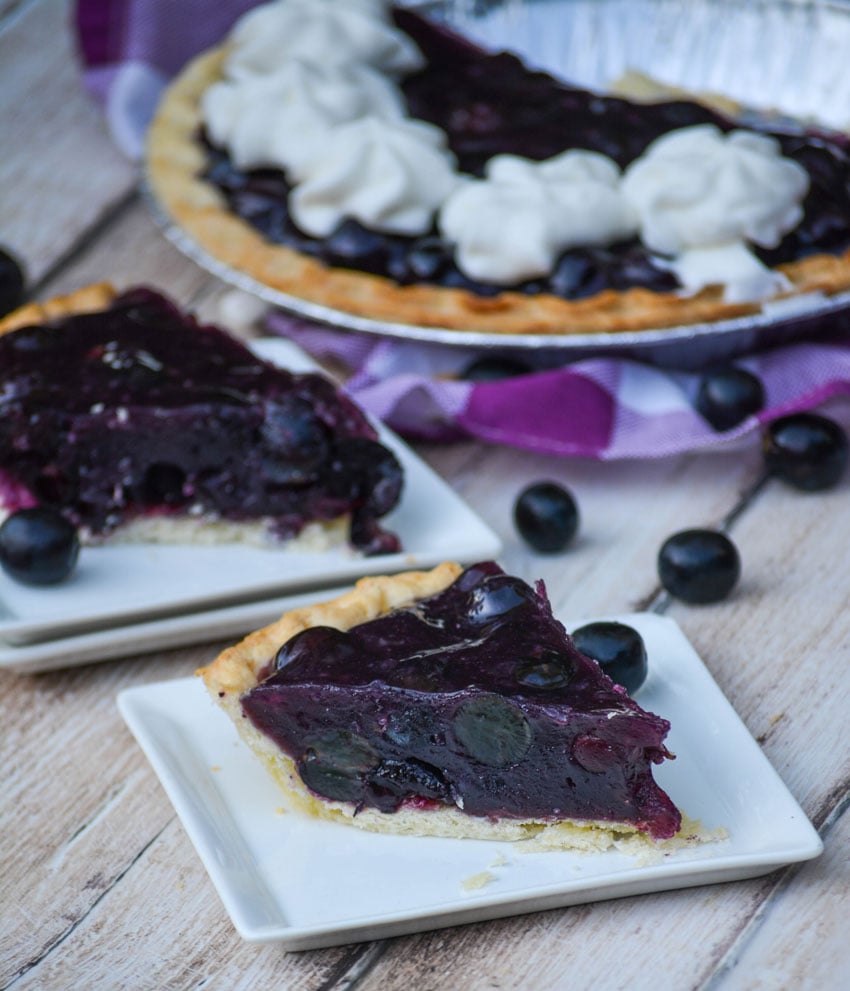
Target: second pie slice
[{"x": 138, "y": 423}]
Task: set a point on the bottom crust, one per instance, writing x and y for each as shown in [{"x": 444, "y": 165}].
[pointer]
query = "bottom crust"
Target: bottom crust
[
  {"x": 315, "y": 537},
  {"x": 205, "y": 532},
  {"x": 239, "y": 669}
]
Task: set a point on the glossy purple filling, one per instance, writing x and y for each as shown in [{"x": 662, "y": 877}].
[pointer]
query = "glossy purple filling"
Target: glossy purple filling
[
  {"x": 493, "y": 104},
  {"x": 474, "y": 697},
  {"x": 139, "y": 410}
]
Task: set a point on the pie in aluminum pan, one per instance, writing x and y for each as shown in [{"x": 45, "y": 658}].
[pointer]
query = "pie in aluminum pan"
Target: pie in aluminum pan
[{"x": 502, "y": 110}]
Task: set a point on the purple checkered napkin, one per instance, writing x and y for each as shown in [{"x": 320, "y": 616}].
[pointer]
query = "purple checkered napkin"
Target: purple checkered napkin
[
  {"x": 603, "y": 408},
  {"x": 132, "y": 48}
]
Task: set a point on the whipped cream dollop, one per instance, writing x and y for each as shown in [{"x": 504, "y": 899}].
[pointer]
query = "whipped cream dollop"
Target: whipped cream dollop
[
  {"x": 390, "y": 175},
  {"x": 513, "y": 224},
  {"x": 745, "y": 279},
  {"x": 702, "y": 195},
  {"x": 322, "y": 31},
  {"x": 283, "y": 118}
]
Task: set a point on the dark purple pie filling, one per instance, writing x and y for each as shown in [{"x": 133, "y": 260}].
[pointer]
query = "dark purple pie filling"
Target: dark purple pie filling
[
  {"x": 138, "y": 410},
  {"x": 474, "y": 698},
  {"x": 491, "y": 104}
]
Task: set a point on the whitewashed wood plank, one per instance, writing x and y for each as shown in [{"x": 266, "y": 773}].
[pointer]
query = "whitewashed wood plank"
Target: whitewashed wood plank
[
  {"x": 10, "y": 9},
  {"x": 80, "y": 808},
  {"x": 559, "y": 579},
  {"x": 65, "y": 175},
  {"x": 79, "y": 802},
  {"x": 627, "y": 509},
  {"x": 665, "y": 942},
  {"x": 780, "y": 646},
  {"x": 461, "y": 948},
  {"x": 800, "y": 940},
  {"x": 132, "y": 251},
  {"x": 175, "y": 935}
]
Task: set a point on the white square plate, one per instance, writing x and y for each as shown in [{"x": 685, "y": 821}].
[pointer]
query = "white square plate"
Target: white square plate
[
  {"x": 119, "y": 584},
  {"x": 306, "y": 884},
  {"x": 113, "y": 642}
]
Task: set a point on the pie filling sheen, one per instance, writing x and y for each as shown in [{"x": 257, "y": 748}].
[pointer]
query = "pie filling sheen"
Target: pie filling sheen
[
  {"x": 472, "y": 698},
  {"x": 136, "y": 410},
  {"x": 445, "y": 165}
]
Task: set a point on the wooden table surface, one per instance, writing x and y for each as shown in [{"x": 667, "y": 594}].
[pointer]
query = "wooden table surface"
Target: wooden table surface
[{"x": 99, "y": 884}]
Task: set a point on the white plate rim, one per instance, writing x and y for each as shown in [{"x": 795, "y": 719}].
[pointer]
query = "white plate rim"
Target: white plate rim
[{"x": 172, "y": 632}]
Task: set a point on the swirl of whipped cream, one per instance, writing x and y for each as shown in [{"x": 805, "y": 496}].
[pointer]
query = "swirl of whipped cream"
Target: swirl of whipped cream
[
  {"x": 391, "y": 175},
  {"x": 513, "y": 224},
  {"x": 282, "y": 118},
  {"x": 321, "y": 31},
  {"x": 697, "y": 186},
  {"x": 701, "y": 195}
]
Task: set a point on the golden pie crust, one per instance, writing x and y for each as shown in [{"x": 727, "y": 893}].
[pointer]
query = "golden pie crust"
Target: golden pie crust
[
  {"x": 175, "y": 160},
  {"x": 239, "y": 668},
  {"x": 88, "y": 299},
  {"x": 236, "y": 670}
]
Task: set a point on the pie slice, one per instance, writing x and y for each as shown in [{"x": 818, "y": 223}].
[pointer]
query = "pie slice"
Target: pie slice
[
  {"x": 138, "y": 423},
  {"x": 240, "y": 183},
  {"x": 447, "y": 703}
]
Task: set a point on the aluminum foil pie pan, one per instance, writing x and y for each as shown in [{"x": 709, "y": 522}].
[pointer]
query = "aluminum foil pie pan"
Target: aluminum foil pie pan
[{"x": 786, "y": 57}]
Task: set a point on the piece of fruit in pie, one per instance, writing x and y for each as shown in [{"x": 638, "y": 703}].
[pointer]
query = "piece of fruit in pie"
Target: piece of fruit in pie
[
  {"x": 450, "y": 703},
  {"x": 137, "y": 422}
]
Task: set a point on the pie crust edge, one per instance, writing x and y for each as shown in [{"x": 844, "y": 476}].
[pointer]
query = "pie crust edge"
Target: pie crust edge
[
  {"x": 86, "y": 299},
  {"x": 236, "y": 670},
  {"x": 175, "y": 159}
]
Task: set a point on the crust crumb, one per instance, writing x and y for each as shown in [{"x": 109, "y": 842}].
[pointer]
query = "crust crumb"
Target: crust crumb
[{"x": 476, "y": 881}]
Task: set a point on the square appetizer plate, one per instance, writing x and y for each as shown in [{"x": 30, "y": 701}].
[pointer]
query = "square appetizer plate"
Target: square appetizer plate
[
  {"x": 167, "y": 633},
  {"x": 305, "y": 883},
  {"x": 120, "y": 584}
]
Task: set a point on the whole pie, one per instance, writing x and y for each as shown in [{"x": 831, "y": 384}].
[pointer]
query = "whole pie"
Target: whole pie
[
  {"x": 366, "y": 159},
  {"x": 448, "y": 703},
  {"x": 136, "y": 422}
]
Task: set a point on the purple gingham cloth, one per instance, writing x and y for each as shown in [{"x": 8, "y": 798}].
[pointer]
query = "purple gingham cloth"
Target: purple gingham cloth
[
  {"x": 602, "y": 408},
  {"x": 132, "y": 48}
]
